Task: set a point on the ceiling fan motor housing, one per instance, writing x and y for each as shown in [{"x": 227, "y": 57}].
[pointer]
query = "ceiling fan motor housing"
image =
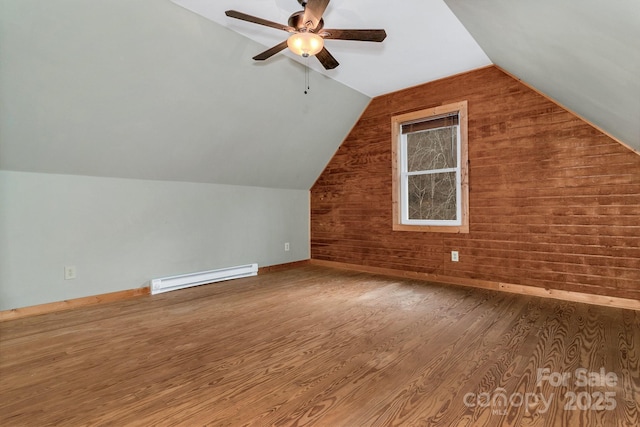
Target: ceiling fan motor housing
[{"x": 296, "y": 21}]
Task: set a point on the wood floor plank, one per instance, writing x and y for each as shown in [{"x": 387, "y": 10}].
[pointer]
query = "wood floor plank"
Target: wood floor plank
[{"x": 314, "y": 346}]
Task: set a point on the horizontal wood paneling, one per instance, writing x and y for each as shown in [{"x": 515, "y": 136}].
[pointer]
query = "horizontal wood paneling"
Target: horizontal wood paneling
[{"x": 554, "y": 202}]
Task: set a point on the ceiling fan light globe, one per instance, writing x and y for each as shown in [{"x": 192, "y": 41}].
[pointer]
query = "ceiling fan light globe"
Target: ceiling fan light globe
[{"x": 305, "y": 44}]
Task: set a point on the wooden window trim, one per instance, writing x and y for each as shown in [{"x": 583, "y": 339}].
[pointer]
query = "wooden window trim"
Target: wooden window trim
[{"x": 396, "y": 124}]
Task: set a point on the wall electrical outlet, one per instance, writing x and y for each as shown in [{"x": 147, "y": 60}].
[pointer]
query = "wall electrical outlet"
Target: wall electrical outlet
[
  {"x": 69, "y": 272},
  {"x": 286, "y": 247},
  {"x": 454, "y": 256}
]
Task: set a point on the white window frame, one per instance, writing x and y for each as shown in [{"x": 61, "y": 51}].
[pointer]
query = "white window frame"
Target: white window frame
[{"x": 401, "y": 221}]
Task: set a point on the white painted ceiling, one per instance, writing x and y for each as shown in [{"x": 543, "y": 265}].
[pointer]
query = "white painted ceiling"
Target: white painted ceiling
[
  {"x": 425, "y": 41},
  {"x": 585, "y": 54}
]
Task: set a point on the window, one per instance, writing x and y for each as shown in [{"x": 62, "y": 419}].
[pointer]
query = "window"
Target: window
[{"x": 430, "y": 185}]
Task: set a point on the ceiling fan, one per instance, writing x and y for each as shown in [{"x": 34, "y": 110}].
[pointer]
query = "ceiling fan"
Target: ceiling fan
[{"x": 308, "y": 33}]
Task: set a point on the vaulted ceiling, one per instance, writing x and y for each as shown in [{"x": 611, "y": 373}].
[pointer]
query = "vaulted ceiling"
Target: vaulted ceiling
[
  {"x": 585, "y": 54},
  {"x": 150, "y": 90},
  {"x": 146, "y": 89}
]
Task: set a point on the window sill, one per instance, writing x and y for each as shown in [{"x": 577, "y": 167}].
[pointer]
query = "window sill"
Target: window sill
[{"x": 459, "y": 229}]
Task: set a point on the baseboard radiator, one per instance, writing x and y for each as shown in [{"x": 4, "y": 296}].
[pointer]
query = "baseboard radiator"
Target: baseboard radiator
[{"x": 172, "y": 283}]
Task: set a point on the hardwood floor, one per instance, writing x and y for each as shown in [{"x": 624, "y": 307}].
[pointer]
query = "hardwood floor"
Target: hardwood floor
[{"x": 323, "y": 347}]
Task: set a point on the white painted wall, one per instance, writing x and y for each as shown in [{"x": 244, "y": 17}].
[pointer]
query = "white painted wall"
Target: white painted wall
[{"x": 120, "y": 233}]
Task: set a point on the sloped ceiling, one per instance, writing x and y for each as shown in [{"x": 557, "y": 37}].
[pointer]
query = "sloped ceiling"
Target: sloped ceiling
[
  {"x": 585, "y": 54},
  {"x": 148, "y": 90}
]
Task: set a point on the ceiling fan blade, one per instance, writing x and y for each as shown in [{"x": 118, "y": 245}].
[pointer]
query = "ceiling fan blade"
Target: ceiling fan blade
[
  {"x": 313, "y": 11},
  {"x": 326, "y": 59},
  {"x": 254, "y": 19},
  {"x": 359, "y": 35},
  {"x": 270, "y": 52}
]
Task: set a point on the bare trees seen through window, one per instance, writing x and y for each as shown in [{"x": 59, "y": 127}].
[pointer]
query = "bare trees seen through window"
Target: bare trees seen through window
[{"x": 431, "y": 163}]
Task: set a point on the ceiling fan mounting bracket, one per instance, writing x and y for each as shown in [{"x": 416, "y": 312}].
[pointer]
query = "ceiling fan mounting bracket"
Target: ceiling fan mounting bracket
[{"x": 296, "y": 21}]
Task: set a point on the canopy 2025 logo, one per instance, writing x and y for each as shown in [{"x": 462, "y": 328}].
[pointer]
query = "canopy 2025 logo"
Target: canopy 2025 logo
[{"x": 500, "y": 402}]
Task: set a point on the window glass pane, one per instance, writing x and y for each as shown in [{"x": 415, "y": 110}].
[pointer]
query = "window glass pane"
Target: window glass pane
[
  {"x": 432, "y": 196},
  {"x": 432, "y": 149}
]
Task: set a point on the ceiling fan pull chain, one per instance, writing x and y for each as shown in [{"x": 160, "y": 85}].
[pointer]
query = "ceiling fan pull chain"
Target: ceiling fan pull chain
[{"x": 306, "y": 76}]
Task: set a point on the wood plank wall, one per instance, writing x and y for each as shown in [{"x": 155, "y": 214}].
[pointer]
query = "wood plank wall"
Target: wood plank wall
[{"x": 554, "y": 202}]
